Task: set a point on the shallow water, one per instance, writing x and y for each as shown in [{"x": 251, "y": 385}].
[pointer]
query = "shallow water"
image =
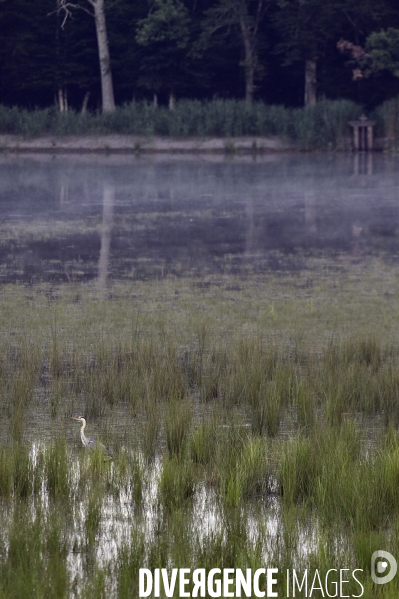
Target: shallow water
[{"x": 74, "y": 218}]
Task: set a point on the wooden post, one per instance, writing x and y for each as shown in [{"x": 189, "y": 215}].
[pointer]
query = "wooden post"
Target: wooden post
[
  {"x": 356, "y": 138},
  {"x": 370, "y": 137}
]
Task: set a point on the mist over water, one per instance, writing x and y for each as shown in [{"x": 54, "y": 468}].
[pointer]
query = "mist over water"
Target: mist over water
[{"x": 77, "y": 218}]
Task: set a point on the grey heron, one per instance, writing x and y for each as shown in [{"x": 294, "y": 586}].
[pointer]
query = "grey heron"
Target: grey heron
[{"x": 88, "y": 441}]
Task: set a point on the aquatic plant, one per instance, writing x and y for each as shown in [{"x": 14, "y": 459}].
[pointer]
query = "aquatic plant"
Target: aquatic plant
[{"x": 321, "y": 126}]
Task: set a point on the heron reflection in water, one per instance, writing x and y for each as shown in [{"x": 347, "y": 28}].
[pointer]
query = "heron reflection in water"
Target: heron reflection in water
[{"x": 88, "y": 441}]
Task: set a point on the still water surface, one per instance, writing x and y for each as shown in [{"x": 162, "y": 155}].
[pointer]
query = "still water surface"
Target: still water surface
[{"x": 78, "y": 218}]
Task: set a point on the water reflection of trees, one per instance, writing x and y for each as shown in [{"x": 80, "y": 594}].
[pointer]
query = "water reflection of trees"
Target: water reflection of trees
[
  {"x": 106, "y": 233},
  {"x": 72, "y": 220}
]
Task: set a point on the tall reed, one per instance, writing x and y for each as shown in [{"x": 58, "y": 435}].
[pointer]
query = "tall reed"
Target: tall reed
[{"x": 321, "y": 126}]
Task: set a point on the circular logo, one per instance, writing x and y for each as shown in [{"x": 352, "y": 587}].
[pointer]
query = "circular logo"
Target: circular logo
[{"x": 380, "y": 560}]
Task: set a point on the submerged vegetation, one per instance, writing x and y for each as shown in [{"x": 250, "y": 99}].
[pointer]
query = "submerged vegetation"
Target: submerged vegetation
[{"x": 253, "y": 424}]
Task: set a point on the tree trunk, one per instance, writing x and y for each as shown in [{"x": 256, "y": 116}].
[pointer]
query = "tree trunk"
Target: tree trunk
[
  {"x": 310, "y": 82},
  {"x": 172, "y": 100},
  {"x": 107, "y": 88},
  {"x": 249, "y": 62},
  {"x": 249, "y": 84},
  {"x": 85, "y": 102},
  {"x": 62, "y": 99}
]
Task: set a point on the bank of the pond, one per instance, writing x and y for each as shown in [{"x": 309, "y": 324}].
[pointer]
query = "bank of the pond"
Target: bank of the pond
[
  {"x": 193, "y": 126},
  {"x": 137, "y": 144},
  {"x": 215, "y": 126}
]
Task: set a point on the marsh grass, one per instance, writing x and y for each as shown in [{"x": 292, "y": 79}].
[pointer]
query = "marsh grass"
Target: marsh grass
[
  {"x": 233, "y": 415},
  {"x": 57, "y": 470},
  {"x": 151, "y": 427},
  {"x": 24, "y": 474},
  {"x": 270, "y": 411},
  {"x": 241, "y": 466},
  {"x": 176, "y": 483},
  {"x": 360, "y": 376},
  {"x": 305, "y": 404},
  {"x": 93, "y": 515},
  {"x": 126, "y": 475},
  {"x": 203, "y": 442},
  {"x": 330, "y": 471},
  {"x": 36, "y": 556},
  {"x": 321, "y": 126},
  {"x": 131, "y": 557},
  {"x": 177, "y": 425},
  {"x": 94, "y": 465},
  {"x": 137, "y": 479},
  {"x": 388, "y": 121},
  {"x": 254, "y": 467}
]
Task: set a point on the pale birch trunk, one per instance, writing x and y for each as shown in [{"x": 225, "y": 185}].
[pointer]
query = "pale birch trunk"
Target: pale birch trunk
[
  {"x": 62, "y": 99},
  {"x": 107, "y": 87}
]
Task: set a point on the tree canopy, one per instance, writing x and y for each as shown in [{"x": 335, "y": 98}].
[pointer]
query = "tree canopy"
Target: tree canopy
[
  {"x": 382, "y": 52},
  {"x": 257, "y": 49}
]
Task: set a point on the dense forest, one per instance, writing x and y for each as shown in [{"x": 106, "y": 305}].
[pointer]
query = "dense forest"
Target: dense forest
[{"x": 89, "y": 54}]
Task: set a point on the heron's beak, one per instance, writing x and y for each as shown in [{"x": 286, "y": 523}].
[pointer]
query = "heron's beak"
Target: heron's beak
[{"x": 74, "y": 418}]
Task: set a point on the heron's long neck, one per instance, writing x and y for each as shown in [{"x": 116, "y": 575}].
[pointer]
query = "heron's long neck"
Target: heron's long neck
[{"x": 82, "y": 434}]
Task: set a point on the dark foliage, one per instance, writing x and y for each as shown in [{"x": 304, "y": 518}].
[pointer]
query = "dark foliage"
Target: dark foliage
[{"x": 38, "y": 56}]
